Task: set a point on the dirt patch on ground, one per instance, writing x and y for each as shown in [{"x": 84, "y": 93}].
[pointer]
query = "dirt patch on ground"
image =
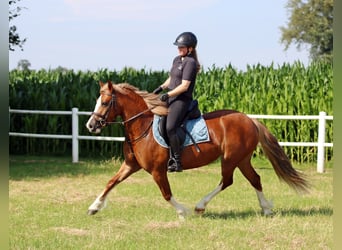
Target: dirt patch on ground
[
  {"x": 163, "y": 225},
  {"x": 71, "y": 231}
]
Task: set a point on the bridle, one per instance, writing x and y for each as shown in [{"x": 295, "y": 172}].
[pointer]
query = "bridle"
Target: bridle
[
  {"x": 103, "y": 122},
  {"x": 112, "y": 104}
]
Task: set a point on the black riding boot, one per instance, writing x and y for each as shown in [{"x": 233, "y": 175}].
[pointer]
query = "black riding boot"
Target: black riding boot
[{"x": 174, "y": 164}]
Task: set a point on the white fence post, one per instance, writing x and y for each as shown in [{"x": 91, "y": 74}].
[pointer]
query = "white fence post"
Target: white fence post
[
  {"x": 321, "y": 142},
  {"x": 74, "y": 135}
]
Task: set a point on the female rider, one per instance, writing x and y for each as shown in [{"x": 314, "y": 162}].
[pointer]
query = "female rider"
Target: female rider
[{"x": 180, "y": 86}]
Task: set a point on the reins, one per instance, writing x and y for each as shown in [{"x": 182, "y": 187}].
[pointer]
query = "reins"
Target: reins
[
  {"x": 111, "y": 104},
  {"x": 132, "y": 118}
]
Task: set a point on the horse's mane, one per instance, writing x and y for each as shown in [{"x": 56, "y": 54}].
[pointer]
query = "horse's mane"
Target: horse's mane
[{"x": 152, "y": 100}]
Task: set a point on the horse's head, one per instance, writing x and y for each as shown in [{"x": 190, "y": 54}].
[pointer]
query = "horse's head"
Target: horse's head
[{"x": 103, "y": 112}]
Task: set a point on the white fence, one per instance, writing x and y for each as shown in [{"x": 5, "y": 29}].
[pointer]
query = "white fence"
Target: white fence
[{"x": 75, "y": 137}]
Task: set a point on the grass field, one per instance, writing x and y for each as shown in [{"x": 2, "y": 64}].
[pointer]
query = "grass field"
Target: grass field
[{"x": 49, "y": 198}]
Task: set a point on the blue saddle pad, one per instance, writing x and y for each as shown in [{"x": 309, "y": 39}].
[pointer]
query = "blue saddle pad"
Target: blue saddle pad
[{"x": 197, "y": 128}]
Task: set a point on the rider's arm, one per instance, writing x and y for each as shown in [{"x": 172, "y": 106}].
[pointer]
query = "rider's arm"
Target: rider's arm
[{"x": 179, "y": 89}]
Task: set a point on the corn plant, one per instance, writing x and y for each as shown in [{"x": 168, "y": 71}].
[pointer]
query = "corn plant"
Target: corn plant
[{"x": 288, "y": 89}]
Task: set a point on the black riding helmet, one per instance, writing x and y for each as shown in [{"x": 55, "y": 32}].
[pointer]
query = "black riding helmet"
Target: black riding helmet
[{"x": 187, "y": 39}]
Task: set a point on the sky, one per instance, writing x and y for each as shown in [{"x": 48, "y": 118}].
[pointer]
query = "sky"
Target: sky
[{"x": 113, "y": 34}]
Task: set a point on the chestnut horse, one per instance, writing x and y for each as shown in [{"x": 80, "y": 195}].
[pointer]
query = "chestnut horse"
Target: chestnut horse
[{"x": 233, "y": 137}]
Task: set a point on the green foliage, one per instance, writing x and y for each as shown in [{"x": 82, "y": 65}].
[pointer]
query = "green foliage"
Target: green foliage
[
  {"x": 63, "y": 90},
  {"x": 14, "y": 38},
  {"x": 283, "y": 90},
  {"x": 311, "y": 22}
]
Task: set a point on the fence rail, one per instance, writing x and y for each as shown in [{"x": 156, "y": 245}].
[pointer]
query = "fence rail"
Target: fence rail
[{"x": 75, "y": 137}]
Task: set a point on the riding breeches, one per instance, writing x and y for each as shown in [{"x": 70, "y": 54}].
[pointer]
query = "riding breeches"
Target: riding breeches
[{"x": 177, "y": 111}]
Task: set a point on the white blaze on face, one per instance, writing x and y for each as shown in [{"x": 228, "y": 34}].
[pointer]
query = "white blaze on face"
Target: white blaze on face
[{"x": 97, "y": 106}]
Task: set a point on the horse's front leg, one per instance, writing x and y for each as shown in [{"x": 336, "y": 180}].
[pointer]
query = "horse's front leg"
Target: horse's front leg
[
  {"x": 124, "y": 171},
  {"x": 160, "y": 177}
]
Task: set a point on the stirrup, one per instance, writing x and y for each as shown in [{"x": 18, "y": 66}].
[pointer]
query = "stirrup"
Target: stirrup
[{"x": 174, "y": 166}]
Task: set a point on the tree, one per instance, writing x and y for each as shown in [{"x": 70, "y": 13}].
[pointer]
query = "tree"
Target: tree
[
  {"x": 61, "y": 69},
  {"x": 14, "y": 38},
  {"x": 311, "y": 23},
  {"x": 24, "y": 64}
]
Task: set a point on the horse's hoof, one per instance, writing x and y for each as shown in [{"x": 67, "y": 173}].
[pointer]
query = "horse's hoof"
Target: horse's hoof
[
  {"x": 268, "y": 214},
  {"x": 199, "y": 211},
  {"x": 92, "y": 211}
]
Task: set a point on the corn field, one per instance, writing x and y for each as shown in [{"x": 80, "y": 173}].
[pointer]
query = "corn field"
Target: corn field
[{"x": 288, "y": 89}]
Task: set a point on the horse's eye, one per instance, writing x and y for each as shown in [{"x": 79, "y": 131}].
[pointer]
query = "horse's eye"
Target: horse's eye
[{"x": 104, "y": 103}]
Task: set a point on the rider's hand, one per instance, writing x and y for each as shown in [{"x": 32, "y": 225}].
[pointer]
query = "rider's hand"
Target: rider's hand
[
  {"x": 157, "y": 90},
  {"x": 164, "y": 97}
]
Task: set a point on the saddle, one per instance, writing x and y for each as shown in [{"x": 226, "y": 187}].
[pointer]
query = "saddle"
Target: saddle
[{"x": 192, "y": 113}]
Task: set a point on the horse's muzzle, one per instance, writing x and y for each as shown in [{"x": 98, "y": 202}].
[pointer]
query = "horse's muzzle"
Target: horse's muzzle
[{"x": 94, "y": 126}]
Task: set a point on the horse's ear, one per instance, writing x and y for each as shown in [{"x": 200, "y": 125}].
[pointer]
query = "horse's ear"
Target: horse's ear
[
  {"x": 101, "y": 84},
  {"x": 110, "y": 85}
]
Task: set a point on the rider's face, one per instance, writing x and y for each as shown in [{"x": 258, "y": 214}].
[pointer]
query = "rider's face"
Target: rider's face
[{"x": 182, "y": 50}]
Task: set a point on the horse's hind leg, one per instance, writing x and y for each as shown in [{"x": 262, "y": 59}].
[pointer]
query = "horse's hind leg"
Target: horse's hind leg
[
  {"x": 124, "y": 171},
  {"x": 200, "y": 207},
  {"x": 248, "y": 171},
  {"x": 227, "y": 180}
]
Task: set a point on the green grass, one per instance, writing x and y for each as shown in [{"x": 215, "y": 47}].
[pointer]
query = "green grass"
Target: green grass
[{"x": 49, "y": 198}]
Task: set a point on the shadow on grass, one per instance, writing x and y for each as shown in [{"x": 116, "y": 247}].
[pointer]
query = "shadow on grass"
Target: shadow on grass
[
  {"x": 26, "y": 168},
  {"x": 322, "y": 211},
  {"x": 227, "y": 215}
]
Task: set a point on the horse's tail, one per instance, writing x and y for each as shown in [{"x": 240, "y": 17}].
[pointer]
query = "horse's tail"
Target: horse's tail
[{"x": 280, "y": 162}]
